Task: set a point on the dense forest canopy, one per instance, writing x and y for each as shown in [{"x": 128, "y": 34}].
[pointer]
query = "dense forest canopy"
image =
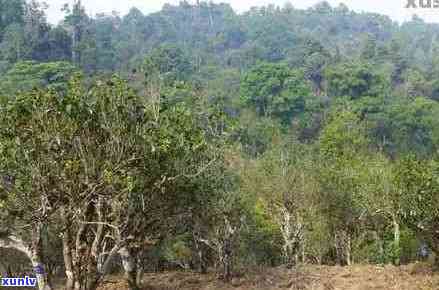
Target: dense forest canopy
[{"x": 198, "y": 138}]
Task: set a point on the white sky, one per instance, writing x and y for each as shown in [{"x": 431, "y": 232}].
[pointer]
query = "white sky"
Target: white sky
[{"x": 394, "y": 8}]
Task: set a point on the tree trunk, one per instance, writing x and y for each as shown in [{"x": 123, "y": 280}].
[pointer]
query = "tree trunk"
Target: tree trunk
[
  {"x": 202, "y": 265},
  {"x": 140, "y": 267},
  {"x": 227, "y": 262},
  {"x": 40, "y": 272},
  {"x": 303, "y": 252},
  {"x": 93, "y": 275},
  {"x": 286, "y": 234},
  {"x": 68, "y": 263},
  {"x": 76, "y": 35},
  {"x": 71, "y": 278},
  {"x": 37, "y": 258},
  {"x": 338, "y": 254},
  {"x": 380, "y": 245},
  {"x": 342, "y": 241},
  {"x": 199, "y": 251},
  {"x": 228, "y": 250},
  {"x": 348, "y": 250},
  {"x": 3, "y": 270},
  {"x": 33, "y": 252},
  {"x": 130, "y": 267},
  {"x": 396, "y": 241},
  {"x": 291, "y": 229}
]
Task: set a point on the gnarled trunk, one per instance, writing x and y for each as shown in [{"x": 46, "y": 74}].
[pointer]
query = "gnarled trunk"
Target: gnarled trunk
[
  {"x": 129, "y": 264},
  {"x": 292, "y": 234},
  {"x": 37, "y": 258},
  {"x": 342, "y": 242},
  {"x": 196, "y": 235},
  {"x": 34, "y": 252},
  {"x": 69, "y": 264},
  {"x": 140, "y": 267}
]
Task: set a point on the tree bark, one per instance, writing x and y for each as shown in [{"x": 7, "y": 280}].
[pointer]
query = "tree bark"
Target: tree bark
[
  {"x": 199, "y": 251},
  {"x": 140, "y": 267},
  {"x": 68, "y": 263},
  {"x": 40, "y": 272},
  {"x": 71, "y": 277},
  {"x": 76, "y": 35},
  {"x": 342, "y": 241},
  {"x": 348, "y": 250},
  {"x": 229, "y": 237},
  {"x": 33, "y": 252},
  {"x": 380, "y": 244},
  {"x": 130, "y": 267},
  {"x": 338, "y": 254},
  {"x": 291, "y": 230},
  {"x": 3, "y": 270},
  {"x": 227, "y": 261},
  {"x": 37, "y": 257},
  {"x": 396, "y": 240}
]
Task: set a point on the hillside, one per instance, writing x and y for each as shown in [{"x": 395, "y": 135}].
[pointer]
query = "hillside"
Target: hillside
[{"x": 412, "y": 277}]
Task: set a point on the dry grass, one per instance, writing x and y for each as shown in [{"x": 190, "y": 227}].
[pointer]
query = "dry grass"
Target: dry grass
[{"x": 359, "y": 277}]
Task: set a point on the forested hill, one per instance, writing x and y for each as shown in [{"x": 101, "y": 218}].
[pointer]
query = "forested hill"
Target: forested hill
[
  {"x": 364, "y": 57},
  {"x": 212, "y": 32}
]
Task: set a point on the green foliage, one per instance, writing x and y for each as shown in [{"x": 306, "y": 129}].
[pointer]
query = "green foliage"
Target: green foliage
[
  {"x": 417, "y": 179},
  {"x": 168, "y": 63},
  {"x": 11, "y": 11},
  {"x": 410, "y": 245},
  {"x": 14, "y": 48},
  {"x": 28, "y": 75},
  {"x": 343, "y": 146},
  {"x": 256, "y": 134},
  {"x": 355, "y": 80},
  {"x": 261, "y": 241},
  {"x": 178, "y": 252},
  {"x": 413, "y": 126},
  {"x": 344, "y": 137},
  {"x": 277, "y": 91}
]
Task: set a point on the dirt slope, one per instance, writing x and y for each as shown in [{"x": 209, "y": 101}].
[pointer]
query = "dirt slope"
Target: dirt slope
[{"x": 413, "y": 277}]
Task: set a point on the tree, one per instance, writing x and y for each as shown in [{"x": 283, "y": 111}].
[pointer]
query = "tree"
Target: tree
[
  {"x": 36, "y": 29},
  {"x": 416, "y": 179},
  {"x": 169, "y": 63},
  {"x": 283, "y": 182},
  {"x": 13, "y": 46},
  {"x": 122, "y": 170},
  {"x": 77, "y": 23},
  {"x": 31, "y": 160},
  {"x": 224, "y": 235},
  {"x": 106, "y": 27},
  {"x": 412, "y": 126},
  {"x": 381, "y": 196},
  {"x": 354, "y": 80},
  {"x": 342, "y": 145},
  {"x": 11, "y": 11},
  {"x": 134, "y": 30},
  {"x": 60, "y": 44},
  {"x": 275, "y": 90}
]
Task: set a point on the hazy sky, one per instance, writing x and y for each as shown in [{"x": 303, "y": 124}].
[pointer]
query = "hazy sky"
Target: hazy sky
[{"x": 394, "y": 8}]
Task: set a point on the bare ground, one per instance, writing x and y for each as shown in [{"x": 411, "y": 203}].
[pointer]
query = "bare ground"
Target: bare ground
[{"x": 412, "y": 277}]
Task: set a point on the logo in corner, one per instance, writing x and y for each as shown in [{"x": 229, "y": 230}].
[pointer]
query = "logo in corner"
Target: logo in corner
[{"x": 414, "y": 4}]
